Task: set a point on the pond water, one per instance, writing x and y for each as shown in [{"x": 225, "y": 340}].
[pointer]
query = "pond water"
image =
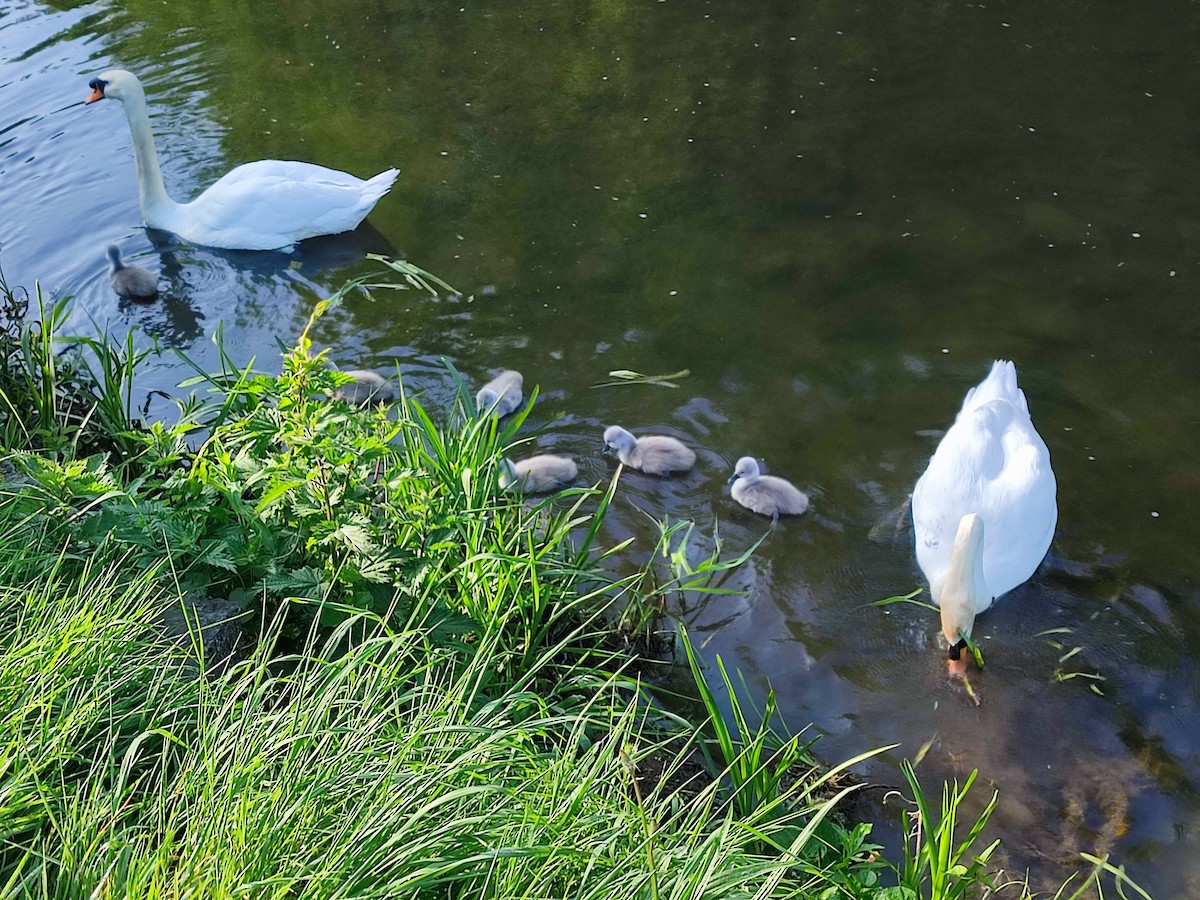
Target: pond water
[{"x": 835, "y": 214}]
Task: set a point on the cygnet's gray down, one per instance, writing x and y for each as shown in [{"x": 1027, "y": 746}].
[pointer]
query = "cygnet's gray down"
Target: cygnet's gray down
[
  {"x": 538, "y": 474},
  {"x": 656, "y": 454},
  {"x": 367, "y": 388},
  {"x": 502, "y": 394},
  {"x": 765, "y": 494},
  {"x": 131, "y": 282}
]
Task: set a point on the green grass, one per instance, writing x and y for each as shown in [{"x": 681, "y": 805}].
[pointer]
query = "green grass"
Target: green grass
[{"x": 371, "y": 762}]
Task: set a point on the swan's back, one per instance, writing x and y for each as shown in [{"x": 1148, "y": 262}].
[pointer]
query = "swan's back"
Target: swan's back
[
  {"x": 503, "y": 394},
  {"x": 770, "y": 496},
  {"x": 991, "y": 462},
  {"x": 660, "y": 454},
  {"x": 539, "y": 474},
  {"x": 273, "y": 203}
]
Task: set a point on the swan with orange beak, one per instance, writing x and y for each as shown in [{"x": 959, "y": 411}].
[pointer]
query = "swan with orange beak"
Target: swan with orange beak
[
  {"x": 265, "y": 205},
  {"x": 985, "y": 509}
]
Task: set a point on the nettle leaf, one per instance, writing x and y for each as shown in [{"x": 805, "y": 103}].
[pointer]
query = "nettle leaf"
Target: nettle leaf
[
  {"x": 336, "y": 492},
  {"x": 445, "y": 622},
  {"x": 382, "y": 565},
  {"x": 276, "y": 490},
  {"x": 218, "y": 555},
  {"x": 305, "y": 583},
  {"x": 355, "y": 537}
]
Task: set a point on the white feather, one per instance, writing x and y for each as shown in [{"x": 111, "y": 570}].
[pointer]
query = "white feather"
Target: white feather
[
  {"x": 264, "y": 205},
  {"x": 993, "y": 463}
]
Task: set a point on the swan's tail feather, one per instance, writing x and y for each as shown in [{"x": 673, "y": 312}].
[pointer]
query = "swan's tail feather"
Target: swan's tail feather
[
  {"x": 1000, "y": 384},
  {"x": 374, "y": 188},
  {"x": 369, "y": 193}
]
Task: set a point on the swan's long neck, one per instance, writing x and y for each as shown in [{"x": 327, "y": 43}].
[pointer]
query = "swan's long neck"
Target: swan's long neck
[
  {"x": 964, "y": 586},
  {"x": 152, "y": 193}
]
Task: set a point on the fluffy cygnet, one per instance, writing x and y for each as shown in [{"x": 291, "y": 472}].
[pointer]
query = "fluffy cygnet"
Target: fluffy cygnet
[
  {"x": 538, "y": 474},
  {"x": 131, "y": 282},
  {"x": 502, "y": 394},
  {"x": 657, "y": 454},
  {"x": 765, "y": 494},
  {"x": 367, "y": 388}
]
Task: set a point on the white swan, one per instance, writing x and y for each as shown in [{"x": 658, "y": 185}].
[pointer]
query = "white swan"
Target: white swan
[
  {"x": 131, "y": 282},
  {"x": 657, "y": 454},
  {"x": 985, "y": 509},
  {"x": 765, "y": 494},
  {"x": 367, "y": 387},
  {"x": 537, "y": 474},
  {"x": 502, "y": 395},
  {"x": 264, "y": 205}
]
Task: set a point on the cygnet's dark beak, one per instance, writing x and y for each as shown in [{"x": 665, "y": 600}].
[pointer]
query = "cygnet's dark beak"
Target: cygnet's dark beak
[
  {"x": 732, "y": 478},
  {"x": 605, "y": 449}
]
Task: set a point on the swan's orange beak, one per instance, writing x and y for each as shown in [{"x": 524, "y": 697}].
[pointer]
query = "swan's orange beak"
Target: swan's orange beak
[{"x": 96, "y": 94}]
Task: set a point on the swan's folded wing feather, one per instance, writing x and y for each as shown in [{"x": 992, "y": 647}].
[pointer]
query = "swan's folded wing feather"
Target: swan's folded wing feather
[
  {"x": 1023, "y": 500},
  {"x": 278, "y": 202},
  {"x": 992, "y": 462}
]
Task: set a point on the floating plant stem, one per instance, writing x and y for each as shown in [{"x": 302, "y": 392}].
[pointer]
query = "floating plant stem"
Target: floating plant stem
[{"x": 628, "y": 376}]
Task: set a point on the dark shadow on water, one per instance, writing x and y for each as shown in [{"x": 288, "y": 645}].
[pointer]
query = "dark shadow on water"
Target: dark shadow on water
[
  {"x": 193, "y": 274},
  {"x": 330, "y": 251}
]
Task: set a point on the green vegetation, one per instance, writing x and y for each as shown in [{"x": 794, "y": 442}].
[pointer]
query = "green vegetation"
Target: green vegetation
[{"x": 433, "y": 703}]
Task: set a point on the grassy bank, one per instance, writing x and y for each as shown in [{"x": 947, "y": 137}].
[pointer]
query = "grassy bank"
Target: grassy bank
[{"x": 430, "y": 700}]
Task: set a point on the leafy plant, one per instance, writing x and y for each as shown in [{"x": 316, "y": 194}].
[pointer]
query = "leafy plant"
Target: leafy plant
[
  {"x": 910, "y": 597},
  {"x": 754, "y": 759},
  {"x": 675, "y": 571},
  {"x": 937, "y": 866}
]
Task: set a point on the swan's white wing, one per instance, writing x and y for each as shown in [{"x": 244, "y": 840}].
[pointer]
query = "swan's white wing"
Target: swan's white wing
[
  {"x": 1022, "y": 501},
  {"x": 992, "y": 462},
  {"x": 946, "y": 491},
  {"x": 274, "y": 203}
]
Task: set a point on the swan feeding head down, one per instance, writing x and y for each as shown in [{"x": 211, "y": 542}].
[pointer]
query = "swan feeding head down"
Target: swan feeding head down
[
  {"x": 266, "y": 205},
  {"x": 502, "y": 395},
  {"x": 985, "y": 509}
]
